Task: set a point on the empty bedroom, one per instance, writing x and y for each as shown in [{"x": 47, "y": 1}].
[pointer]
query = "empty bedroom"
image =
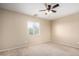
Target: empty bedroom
[{"x": 39, "y": 29}]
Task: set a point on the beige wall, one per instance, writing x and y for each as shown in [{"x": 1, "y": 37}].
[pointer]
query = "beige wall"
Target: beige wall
[
  {"x": 13, "y": 30},
  {"x": 66, "y": 30}
]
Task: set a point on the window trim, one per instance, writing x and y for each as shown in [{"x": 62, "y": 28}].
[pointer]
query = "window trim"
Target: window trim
[{"x": 33, "y": 31}]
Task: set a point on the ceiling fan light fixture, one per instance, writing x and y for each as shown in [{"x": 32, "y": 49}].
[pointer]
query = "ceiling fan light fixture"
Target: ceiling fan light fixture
[{"x": 50, "y": 7}]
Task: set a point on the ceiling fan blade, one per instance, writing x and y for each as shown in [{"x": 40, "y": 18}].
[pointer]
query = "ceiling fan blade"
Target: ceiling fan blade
[
  {"x": 49, "y": 7},
  {"x": 42, "y": 10},
  {"x": 53, "y": 11},
  {"x": 55, "y": 5}
]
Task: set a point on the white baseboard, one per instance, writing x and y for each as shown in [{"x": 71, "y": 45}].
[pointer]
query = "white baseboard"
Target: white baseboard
[
  {"x": 20, "y": 46},
  {"x": 66, "y": 44},
  {"x": 12, "y": 48}
]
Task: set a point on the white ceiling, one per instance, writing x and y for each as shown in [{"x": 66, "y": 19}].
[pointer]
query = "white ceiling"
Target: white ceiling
[{"x": 33, "y": 8}]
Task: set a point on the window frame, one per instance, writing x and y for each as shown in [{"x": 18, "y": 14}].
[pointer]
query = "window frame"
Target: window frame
[{"x": 29, "y": 26}]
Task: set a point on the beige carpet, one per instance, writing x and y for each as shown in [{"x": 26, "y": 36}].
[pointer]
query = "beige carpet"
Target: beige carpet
[{"x": 46, "y": 49}]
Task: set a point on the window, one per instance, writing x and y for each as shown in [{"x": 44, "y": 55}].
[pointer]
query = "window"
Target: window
[{"x": 33, "y": 28}]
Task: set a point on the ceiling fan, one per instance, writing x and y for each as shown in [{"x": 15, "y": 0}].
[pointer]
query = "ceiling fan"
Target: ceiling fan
[{"x": 50, "y": 7}]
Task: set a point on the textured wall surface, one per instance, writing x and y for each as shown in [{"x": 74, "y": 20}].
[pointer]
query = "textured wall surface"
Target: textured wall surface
[
  {"x": 66, "y": 30},
  {"x": 13, "y": 30}
]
